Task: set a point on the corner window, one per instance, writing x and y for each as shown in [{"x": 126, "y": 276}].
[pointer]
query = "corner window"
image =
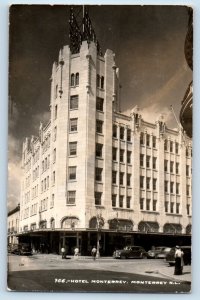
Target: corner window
[
  {"x": 73, "y": 125},
  {"x": 71, "y": 197},
  {"x": 72, "y": 173},
  {"x": 99, "y": 103}
]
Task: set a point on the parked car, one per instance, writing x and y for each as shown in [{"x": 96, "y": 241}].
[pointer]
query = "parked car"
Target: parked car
[
  {"x": 130, "y": 252},
  {"x": 170, "y": 257},
  {"x": 158, "y": 252},
  {"x": 22, "y": 249}
]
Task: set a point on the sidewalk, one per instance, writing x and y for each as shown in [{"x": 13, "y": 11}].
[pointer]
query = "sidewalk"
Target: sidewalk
[{"x": 165, "y": 271}]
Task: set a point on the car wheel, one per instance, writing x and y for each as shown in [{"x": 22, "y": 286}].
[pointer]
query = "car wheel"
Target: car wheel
[
  {"x": 144, "y": 256},
  {"x": 123, "y": 257}
]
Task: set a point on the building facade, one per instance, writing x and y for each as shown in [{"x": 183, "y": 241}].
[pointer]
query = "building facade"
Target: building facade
[
  {"x": 96, "y": 176},
  {"x": 13, "y": 225}
]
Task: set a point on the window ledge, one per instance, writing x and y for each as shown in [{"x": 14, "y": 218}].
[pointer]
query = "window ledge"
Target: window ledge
[
  {"x": 68, "y": 204},
  {"x": 173, "y": 214},
  {"x": 150, "y": 211},
  {"x": 123, "y": 209},
  {"x": 72, "y": 156}
]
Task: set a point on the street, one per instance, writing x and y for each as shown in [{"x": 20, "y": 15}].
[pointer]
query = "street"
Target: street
[{"x": 51, "y": 273}]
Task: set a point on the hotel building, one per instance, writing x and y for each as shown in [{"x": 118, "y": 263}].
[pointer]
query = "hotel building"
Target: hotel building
[{"x": 96, "y": 176}]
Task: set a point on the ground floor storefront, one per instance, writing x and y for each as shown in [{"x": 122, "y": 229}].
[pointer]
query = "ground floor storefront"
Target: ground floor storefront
[{"x": 48, "y": 241}]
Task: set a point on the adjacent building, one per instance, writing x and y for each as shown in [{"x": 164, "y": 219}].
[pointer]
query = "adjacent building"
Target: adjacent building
[
  {"x": 13, "y": 225},
  {"x": 96, "y": 176}
]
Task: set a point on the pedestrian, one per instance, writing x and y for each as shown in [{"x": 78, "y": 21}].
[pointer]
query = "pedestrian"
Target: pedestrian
[
  {"x": 178, "y": 270},
  {"x": 63, "y": 252},
  {"x": 94, "y": 252},
  {"x": 76, "y": 253}
]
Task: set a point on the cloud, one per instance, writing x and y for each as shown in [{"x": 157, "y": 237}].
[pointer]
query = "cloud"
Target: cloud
[{"x": 14, "y": 172}]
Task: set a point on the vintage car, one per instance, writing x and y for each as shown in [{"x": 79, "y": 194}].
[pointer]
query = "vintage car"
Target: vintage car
[
  {"x": 22, "y": 249},
  {"x": 130, "y": 252},
  {"x": 158, "y": 252},
  {"x": 170, "y": 257}
]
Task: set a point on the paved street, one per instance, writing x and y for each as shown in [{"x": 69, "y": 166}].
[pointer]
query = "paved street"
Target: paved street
[{"x": 84, "y": 274}]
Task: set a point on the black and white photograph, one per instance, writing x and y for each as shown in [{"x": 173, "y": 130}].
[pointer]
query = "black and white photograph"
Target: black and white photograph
[{"x": 99, "y": 195}]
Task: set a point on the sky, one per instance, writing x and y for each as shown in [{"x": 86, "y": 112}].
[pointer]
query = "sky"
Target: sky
[{"x": 148, "y": 42}]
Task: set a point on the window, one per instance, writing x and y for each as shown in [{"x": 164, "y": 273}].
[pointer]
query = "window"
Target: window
[
  {"x": 142, "y": 138},
  {"x": 154, "y": 163},
  {"x": 73, "y": 124},
  {"x": 188, "y": 209},
  {"x": 176, "y": 148},
  {"x": 128, "y": 202},
  {"x": 148, "y": 140},
  {"x": 74, "y": 102},
  {"x": 166, "y": 206},
  {"x": 114, "y": 153},
  {"x": 56, "y": 112},
  {"x": 99, "y": 148},
  {"x": 56, "y": 91},
  {"x": 154, "y": 205},
  {"x": 77, "y": 79},
  {"x": 72, "y": 80},
  {"x": 102, "y": 82},
  {"x": 166, "y": 186},
  {"x": 171, "y": 167},
  {"x": 121, "y": 179},
  {"x": 148, "y": 201},
  {"x": 72, "y": 148},
  {"x": 171, "y": 146},
  {"x": 128, "y": 179},
  {"x": 165, "y": 145},
  {"x": 121, "y": 200},
  {"x": 166, "y": 165},
  {"x": 99, "y": 104},
  {"x": 171, "y": 187},
  {"x": 154, "y": 184},
  {"x": 53, "y": 177},
  {"x": 98, "y": 174},
  {"x": 141, "y": 182},
  {"x": 187, "y": 170},
  {"x": 121, "y": 133},
  {"x": 188, "y": 190},
  {"x": 121, "y": 155},
  {"x": 114, "y": 200},
  {"x": 71, "y": 199},
  {"x": 47, "y": 182},
  {"x": 171, "y": 207},
  {"x": 115, "y": 131},
  {"x": 178, "y": 208},
  {"x": 52, "y": 200},
  {"x": 129, "y": 157},
  {"x": 99, "y": 126},
  {"x": 154, "y": 141},
  {"x": 177, "y": 188},
  {"x": 141, "y": 203},
  {"x": 54, "y": 155},
  {"x": 98, "y": 80},
  {"x": 55, "y": 134},
  {"x": 187, "y": 151},
  {"x": 128, "y": 135},
  {"x": 114, "y": 177},
  {"x": 72, "y": 173},
  {"x": 148, "y": 180},
  {"x": 177, "y": 168},
  {"x": 141, "y": 160},
  {"x": 98, "y": 198},
  {"x": 148, "y": 161}
]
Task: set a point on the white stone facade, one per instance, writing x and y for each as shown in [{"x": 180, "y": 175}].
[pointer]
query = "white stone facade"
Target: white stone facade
[{"x": 90, "y": 160}]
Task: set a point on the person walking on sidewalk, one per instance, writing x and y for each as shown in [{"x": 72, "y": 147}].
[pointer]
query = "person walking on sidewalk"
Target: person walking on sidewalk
[
  {"x": 94, "y": 252},
  {"x": 63, "y": 252},
  {"x": 178, "y": 270}
]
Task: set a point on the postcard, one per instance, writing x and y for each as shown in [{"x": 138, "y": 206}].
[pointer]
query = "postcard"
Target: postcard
[{"x": 100, "y": 148}]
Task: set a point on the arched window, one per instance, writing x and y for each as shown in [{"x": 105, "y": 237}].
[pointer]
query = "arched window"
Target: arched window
[
  {"x": 77, "y": 78},
  {"x": 148, "y": 226},
  {"x": 52, "y": 223},
  {"x": 72, "y": 80},
  {"x": 102, "y": 82}
]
